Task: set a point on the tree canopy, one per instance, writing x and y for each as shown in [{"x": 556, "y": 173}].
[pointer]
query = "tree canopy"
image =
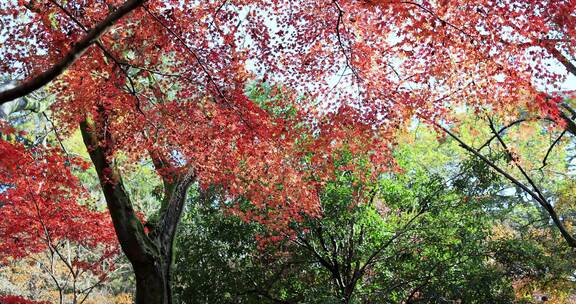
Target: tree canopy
[{"x": 297, "y": 122}]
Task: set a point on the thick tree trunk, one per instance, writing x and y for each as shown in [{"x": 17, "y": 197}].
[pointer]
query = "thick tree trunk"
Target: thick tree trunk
[
  {"x": 152, "y": 284},
  {"x": 149, "y": 253},
  {"x": 153, "y": 279},
  {"x": 345, "y": 299}
]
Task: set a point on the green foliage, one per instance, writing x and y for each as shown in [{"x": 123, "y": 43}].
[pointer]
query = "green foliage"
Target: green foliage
[
  {"x": 218, "y": 261},
  {"x": 272, "y": 99},
  {"x": 411, "y": 235},
  {"x": 445, "y": 229}
]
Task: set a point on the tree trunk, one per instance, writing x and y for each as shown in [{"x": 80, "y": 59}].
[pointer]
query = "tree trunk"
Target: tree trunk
[
  {"x": 149, "y": 253},
  {"x": 347, "y": 294},
  {"x": 152, "y": 284}
]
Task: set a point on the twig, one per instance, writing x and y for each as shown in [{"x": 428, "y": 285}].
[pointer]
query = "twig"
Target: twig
[{"x": 550, "y": 149}]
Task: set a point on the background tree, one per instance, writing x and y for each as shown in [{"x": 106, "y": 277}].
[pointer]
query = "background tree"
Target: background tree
[{"x": 470, "y": 245}]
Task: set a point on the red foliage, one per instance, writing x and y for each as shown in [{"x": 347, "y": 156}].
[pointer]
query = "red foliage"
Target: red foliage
[
  {"x": 18, "y": 300},
  {"x": 367, "y": 67},
  {"x": 40, "y": 203}
]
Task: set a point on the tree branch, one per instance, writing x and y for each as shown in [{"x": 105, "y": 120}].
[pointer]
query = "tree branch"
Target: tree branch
[
  {"x": 171, "y": 215},
  {"x": 570, "y": 67},
  {"x": 516, "y": 163},
  {"x": 137, "y": 246},
  {"x": 570, "y": 124},
  {"x": 544, "y": 161},
  {"x": 541, "y": 200},
  {"x": 487, "y": 143},
  {"x": 75, "y": 52}
]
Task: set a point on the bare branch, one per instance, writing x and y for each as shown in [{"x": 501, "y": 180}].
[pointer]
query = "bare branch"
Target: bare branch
[
  {"x": 550, "y": 149},
  {"x": 487, "y": 143},
  {"x": 516, "y": 163}
]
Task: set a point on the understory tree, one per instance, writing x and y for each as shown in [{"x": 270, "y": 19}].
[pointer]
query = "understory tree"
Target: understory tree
[{"x": 409, "y": 236}]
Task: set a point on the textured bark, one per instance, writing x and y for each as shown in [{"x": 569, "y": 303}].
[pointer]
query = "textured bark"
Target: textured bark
[{"x": 151, "y": 287}]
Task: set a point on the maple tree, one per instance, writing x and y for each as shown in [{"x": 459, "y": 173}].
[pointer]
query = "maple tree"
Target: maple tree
[
  {"x": 165, "y": 81},
  {"x": 106, "y": 131},
  {"x": 41, "y": 198}
]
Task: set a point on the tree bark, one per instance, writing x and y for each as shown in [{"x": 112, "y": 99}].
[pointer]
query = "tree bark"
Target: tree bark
[
  {"x": 152, "y": 283},
  {"x": 149, "y": 253},
  {"x": 347, "y": 294}
]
